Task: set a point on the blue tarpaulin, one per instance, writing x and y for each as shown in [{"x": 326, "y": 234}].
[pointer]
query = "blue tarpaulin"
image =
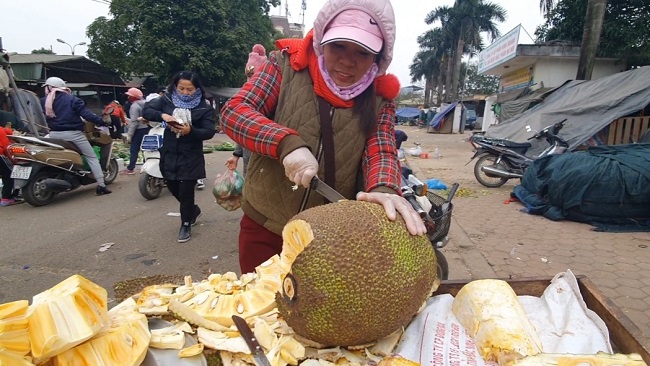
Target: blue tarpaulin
[
  {"x": 408, "y": 112},
  {"x": 436, "y": 122}
]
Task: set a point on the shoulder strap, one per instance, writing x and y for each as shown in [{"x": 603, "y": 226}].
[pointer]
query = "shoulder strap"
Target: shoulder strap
[{"x": 327, "y": 133}]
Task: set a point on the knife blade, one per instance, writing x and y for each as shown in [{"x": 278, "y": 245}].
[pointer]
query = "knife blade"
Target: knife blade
[
  {"x": 251, "y": 341},
  {"x": 325, "y": 190}
]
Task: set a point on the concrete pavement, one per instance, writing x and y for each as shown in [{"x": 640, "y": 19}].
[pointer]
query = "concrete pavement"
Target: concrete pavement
[{"x": 490, "y": 238}]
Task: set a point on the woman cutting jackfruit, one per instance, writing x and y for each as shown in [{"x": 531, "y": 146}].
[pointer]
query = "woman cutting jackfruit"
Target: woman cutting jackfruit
[{"x": 338, "y": 69}]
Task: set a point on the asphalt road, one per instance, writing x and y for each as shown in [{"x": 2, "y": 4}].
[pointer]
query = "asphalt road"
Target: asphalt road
[{"x": 41, "y": 246}]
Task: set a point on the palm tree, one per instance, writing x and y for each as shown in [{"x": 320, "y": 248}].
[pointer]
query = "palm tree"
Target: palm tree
[
  {"x": 423, "y": 66},
  {"x": 466, "y": 20},
  {"x": 590, "y": 34},
  {"x": 443, "y": 37},
  {"x": 436, "y": 45}
]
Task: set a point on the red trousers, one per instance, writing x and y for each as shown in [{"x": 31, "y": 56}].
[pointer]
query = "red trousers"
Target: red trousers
[{"x": 256, "y": 244}]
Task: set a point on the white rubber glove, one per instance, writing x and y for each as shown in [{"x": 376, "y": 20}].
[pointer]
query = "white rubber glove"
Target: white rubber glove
[
  {"x": 300, "y": 166},
  {"x": 393, "y": 204}
]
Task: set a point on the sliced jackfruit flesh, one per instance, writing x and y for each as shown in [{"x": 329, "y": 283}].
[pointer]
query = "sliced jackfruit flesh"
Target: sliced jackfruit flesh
[
  {"x": 397, "y": 361},
  {"x": 13, "y": 309},
  {"x": 490, "y": 311},
  {"x": 185, "y": 313},
  {"x": 12, "y": 359},
  {"x": 191, "y": 351},
  {"x": 296, "y": 236},
  {"x": 124, "y": 343},
  {"x": 167, "y": 338},
  {"x": 14, "y": 336},
  {"x": 66, "y": 315},
  {"x": 600, "y": 359}
]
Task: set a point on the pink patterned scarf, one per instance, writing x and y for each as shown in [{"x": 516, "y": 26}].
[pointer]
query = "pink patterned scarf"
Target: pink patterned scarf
[{"x": 49, "y": 101}]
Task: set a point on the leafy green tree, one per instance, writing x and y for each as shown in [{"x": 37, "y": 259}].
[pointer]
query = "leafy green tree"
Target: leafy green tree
[
  {"x": 211, "y": 37},
  {"x": 625, "y": 32},
  {"x": 43, "y": 51},
  {"x": 466, "y": 20},
  {"x": 475, "y": 83}
]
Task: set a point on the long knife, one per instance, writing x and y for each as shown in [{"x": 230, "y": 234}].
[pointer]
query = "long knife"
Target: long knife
[
  {"x": 251, "y": 341},
  {"x": 325, "y": 190}
]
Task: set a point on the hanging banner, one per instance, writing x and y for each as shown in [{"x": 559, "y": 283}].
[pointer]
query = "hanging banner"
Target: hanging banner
[
  {"x": 516, "y": 80},
  {"x": 500, "y": 51}
]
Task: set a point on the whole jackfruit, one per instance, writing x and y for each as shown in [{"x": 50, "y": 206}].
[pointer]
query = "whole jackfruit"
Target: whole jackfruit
[{"x": 352, "y": 276}]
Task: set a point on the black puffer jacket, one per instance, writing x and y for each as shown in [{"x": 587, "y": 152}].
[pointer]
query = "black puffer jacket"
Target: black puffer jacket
[{"x": 182, "y": 158}]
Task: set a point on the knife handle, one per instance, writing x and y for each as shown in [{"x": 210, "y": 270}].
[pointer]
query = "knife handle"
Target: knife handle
[{"x": 409, "y": 195}]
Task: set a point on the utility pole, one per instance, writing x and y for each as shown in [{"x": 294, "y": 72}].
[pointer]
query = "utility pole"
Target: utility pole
[{"x": 303, "y": 7}]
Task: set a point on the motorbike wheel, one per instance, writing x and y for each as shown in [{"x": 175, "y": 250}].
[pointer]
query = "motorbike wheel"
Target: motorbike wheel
[
  {"x": 34, "y": 193},
  {"x": 486, "y": 180},
  {"x": 443, "y": 265},
  {"x": 111, "y": 174},
  {"x": 150, "y": 187}
]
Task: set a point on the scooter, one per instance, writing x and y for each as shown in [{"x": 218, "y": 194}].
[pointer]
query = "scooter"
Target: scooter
[
  {"x": 435, "y": 212},
  {"x": 44, "y": 167},
  {"x": 151, "y": 181},
  {"x": 501, "y": 160}
]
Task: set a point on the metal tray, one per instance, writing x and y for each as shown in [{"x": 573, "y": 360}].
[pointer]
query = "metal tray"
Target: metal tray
[{"x": 169, "y": 357}]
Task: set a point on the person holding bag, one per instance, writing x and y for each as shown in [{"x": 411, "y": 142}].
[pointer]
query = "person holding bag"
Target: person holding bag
[
  {"x": 188, "y": 119},
  {"x": 328, "y": 90}
]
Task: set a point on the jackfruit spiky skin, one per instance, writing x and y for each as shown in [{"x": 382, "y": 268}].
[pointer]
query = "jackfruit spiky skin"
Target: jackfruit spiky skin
[{"x": 361, "y": 278}]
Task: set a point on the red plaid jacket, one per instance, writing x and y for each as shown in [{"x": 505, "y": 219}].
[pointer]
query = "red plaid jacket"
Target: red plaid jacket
[{"x": 244, "y": 119}]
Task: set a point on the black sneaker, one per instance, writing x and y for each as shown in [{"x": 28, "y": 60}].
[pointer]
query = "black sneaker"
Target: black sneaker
[
  {"x": 185, "y": 232},
  {"x": 197, "y": 214},
  {"x": 102, "y": 190}
]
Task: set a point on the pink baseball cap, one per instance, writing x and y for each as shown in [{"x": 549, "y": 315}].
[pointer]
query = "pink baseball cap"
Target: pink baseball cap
[
  {"x": 356, "y": 26},
  {"x": 135, "y": 93}
]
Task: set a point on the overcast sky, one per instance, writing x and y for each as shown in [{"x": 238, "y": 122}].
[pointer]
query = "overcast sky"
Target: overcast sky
[{"x": 31, "y": 24}]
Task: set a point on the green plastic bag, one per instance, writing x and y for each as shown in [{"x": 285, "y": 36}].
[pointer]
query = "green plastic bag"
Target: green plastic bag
[{"x": 228, "y": 188}]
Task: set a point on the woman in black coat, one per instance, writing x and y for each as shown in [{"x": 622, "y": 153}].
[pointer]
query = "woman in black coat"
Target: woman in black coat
[{"x": 189, "y": 122}]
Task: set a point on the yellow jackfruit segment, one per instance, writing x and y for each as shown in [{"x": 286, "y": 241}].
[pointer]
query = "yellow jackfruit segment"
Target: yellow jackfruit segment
[
  {"x": 16, "y": 341},
  {"x": 12, "y": 359},
  {"x": 600, "y": 359},
  {"x": 490, "y": 311},
  {"x": 124, "y": 343},
  {"x": 190, "y": 351},
  {"x": 13, "y": 309},
  {"x": 296, "y": 235},
  {"x": 397, "y": 361},
  {"x": 66, "y": 315}
]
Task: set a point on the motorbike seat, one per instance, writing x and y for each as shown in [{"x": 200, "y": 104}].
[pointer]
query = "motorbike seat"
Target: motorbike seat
[
  {"x": 515, "y": 145},
  {"x": 66, "y": 144}
]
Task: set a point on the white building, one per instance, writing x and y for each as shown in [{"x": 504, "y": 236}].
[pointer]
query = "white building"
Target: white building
[{"x": 525, "y": 68}]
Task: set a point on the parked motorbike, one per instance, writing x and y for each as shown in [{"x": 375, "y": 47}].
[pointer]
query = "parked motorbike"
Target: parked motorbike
[
  {"x": 44, "y": 167},
  {"x": 501, "y": 160},
  {"x": 435, "y": 212},
  {"x": 151, "y": 181}
]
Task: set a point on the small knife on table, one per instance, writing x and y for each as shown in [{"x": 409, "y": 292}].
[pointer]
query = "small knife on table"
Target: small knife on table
[{"x": 247, "y": 333}]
